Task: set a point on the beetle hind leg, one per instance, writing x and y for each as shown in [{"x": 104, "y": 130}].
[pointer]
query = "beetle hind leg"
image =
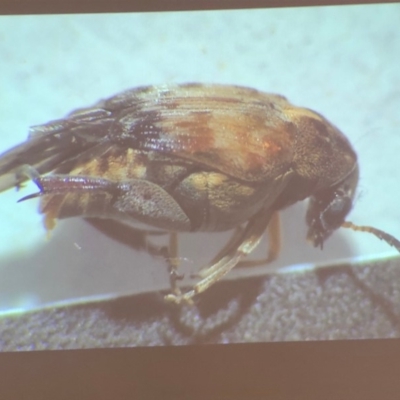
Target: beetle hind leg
[{"x": 173, "y": 264}]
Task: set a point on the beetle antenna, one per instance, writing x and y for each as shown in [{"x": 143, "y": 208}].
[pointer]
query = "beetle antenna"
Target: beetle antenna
[{"x": 389, "y": 239}]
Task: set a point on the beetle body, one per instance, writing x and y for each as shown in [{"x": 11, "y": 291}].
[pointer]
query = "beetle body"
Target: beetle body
[{"x": 190, "y": 158}]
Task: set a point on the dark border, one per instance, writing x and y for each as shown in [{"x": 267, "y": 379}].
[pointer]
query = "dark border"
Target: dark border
[
  {"x": 14, "y": 7},
  {"x": 314, "y": 370}
]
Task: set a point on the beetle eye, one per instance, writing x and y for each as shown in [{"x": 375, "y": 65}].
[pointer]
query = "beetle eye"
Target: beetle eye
[
  {"x": 326, "y": 213},
  {"x": 333, "y": 216},
  {"x": 328, "y": 209}
]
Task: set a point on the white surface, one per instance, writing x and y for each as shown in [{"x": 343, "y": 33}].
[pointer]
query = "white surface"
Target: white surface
[{"x": 340, "y": 61}]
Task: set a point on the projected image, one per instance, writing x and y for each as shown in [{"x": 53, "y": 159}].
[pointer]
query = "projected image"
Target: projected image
[{"x": 199, "y": 177}]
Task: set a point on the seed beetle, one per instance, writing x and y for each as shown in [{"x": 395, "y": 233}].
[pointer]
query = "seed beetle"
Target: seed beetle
[{"x": 193, "y": 157}]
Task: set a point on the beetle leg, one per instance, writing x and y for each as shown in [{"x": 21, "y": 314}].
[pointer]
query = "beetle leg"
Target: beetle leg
[
  {"x": 173, "y": 264},
  {"x": 238, "y": 232},
  {"x": 133, "y": 200},
  {"x": 274, "y": 244},
  {"x": 243, "y": 246},
  {"x": 139, "y": 239}
]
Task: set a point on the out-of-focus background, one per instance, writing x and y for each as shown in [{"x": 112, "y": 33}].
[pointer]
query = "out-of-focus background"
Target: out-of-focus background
[{"x": 340, "y": 61}]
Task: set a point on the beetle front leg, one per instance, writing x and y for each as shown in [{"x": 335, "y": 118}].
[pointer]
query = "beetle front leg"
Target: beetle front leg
[
  {"x": 274, "y": 244},
  {"x": 243, "y": 246}
]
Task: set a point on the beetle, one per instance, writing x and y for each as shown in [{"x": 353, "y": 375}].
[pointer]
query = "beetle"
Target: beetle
[{"x": 192, "y": 157}]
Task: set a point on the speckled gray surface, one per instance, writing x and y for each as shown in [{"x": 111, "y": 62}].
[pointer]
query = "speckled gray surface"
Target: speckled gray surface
[
  {"x": 341, "y": 302},
  {"x": 340, "y": 61}
]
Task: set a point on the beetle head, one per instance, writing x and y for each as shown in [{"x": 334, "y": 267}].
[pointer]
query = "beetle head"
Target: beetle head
[{"x": 328, "y": 209}]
